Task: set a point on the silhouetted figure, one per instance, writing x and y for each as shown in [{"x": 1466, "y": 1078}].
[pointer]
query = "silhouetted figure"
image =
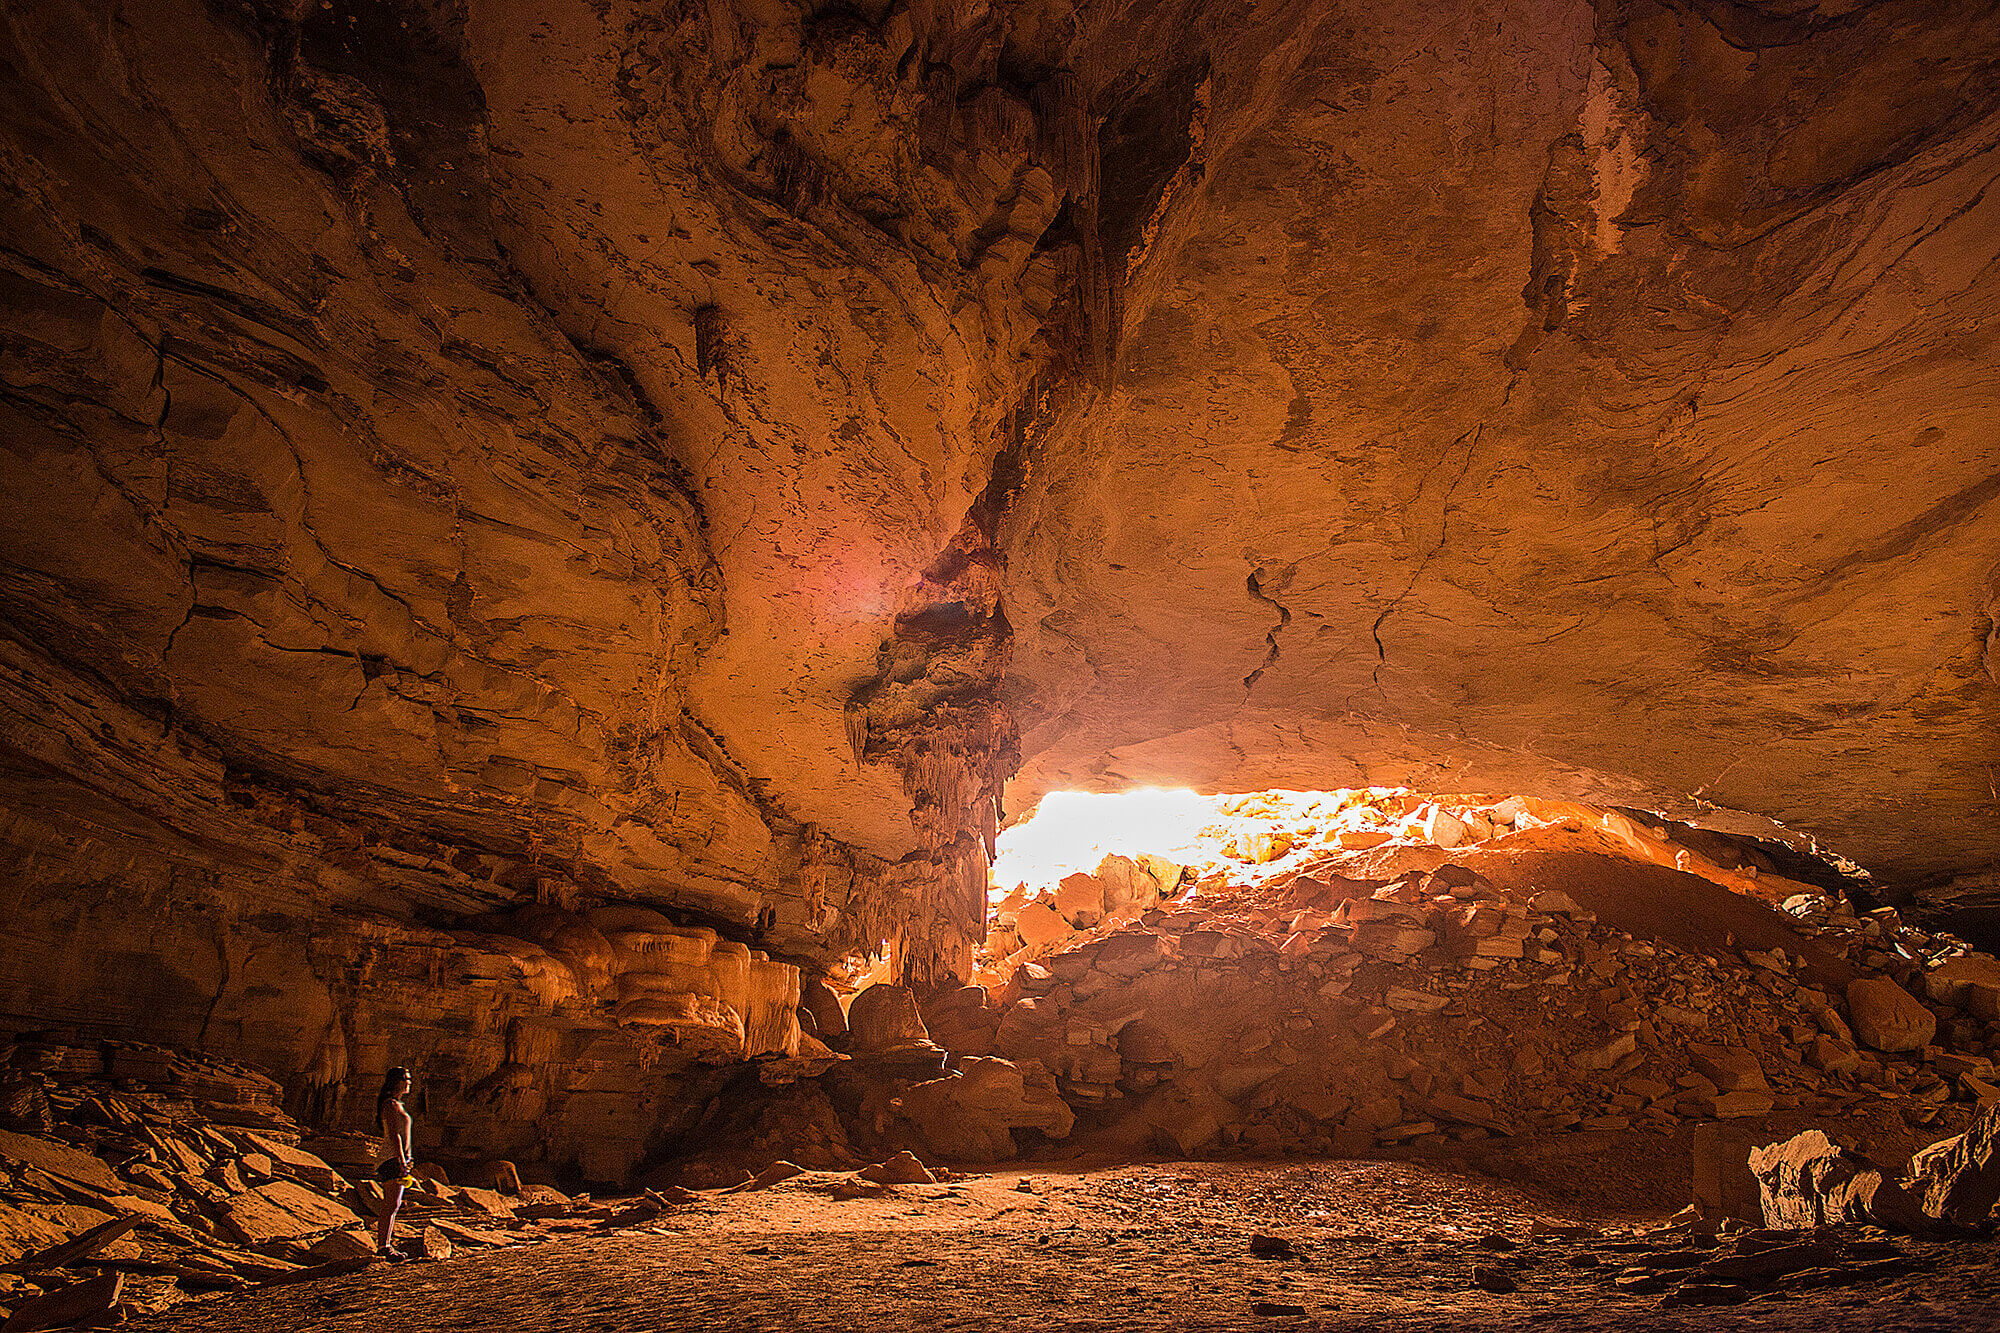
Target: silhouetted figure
[{"x": 393, "y": 1156}]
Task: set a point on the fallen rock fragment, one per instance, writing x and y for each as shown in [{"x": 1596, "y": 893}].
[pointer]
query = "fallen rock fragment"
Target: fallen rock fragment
[
  {"x": 1705, "y": 1293},
  {"x": 74, "y": 1304},
  {"x": 72, "y": 1251},
  {"x": 971, "y": 1113},
  {"x": 1730, "y": 1068},
  {"x": 337, "y": 1245},
  {"x": 1970, "y": 982},
  {"x": 1608, "y": 1054},
  {"x": 1724, "y": 1185},
  {"x": 1887, "y": 1017},
  {"x": 902, "y": 1169},
  {"x": 1488, "y": 1277},
  {"x": 1958, "y": 1179},
  {"x": 1809, "y": 1181},
  {"x": 332, "y": 1268},
  {"x": 1762, "y": 1265}
]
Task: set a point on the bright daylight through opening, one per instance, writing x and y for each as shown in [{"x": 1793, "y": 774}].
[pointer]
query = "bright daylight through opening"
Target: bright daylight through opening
[{"x": 1086, "y": 863}]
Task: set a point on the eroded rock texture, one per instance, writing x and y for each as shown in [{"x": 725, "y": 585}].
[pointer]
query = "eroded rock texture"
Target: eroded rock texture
[
  {"x": 464, "y": 456},
  {"x": 1703, "y": 512}
]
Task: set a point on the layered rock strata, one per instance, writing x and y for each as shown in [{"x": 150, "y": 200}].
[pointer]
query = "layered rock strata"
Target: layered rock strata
[{"x": 465, "y": 456}]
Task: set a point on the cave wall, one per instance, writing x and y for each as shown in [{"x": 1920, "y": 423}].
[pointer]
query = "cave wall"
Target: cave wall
[
  {"x": 346, "y": 598},
  {"x": 466, "y": 456}
]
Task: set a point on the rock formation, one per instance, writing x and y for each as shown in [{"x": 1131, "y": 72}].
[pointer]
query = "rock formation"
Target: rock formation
[{"x": 536, "y": 532}]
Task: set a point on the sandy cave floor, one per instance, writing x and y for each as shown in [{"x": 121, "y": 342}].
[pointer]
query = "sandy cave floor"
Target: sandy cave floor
[{"x": 1387, "y": 1245}]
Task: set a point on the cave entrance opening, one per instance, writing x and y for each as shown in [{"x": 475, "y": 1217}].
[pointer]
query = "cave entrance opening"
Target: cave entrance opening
[
  {"x": 1280, "y": 864},
  {"x": 1085, "y": 862}
]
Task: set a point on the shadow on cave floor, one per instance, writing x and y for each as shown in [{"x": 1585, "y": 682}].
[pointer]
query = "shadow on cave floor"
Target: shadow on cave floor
[{"x": 1344, "y": 1244}]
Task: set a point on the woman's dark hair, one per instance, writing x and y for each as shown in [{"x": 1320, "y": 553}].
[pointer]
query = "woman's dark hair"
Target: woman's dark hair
[{"x": 389, "y": 1082}]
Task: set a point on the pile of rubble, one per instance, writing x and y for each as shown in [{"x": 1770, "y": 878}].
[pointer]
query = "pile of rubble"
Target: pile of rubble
[
  {"x": 133, "y": 1177},
  {"x": 1276, "y": 999}
]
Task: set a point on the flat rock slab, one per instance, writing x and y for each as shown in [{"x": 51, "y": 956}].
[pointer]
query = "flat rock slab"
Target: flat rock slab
[
  {"x": 282, "y": 1210},
  {"x": 23, "y": 1233},
  {"x": 58, "y": 1159}
]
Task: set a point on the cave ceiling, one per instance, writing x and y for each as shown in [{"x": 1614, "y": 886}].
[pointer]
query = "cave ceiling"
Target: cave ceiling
[{"x": 523, "y": 421}]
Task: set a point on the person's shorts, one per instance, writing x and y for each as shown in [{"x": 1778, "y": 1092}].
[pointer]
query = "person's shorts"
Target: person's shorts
[{"x": 389, "y": 1171}]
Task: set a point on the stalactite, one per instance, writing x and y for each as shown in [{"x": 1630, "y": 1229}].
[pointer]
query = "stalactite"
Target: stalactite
[
  {"x": 1064, "y": 142},
  {"x": 994, "y": 119},
  {"x": 955, "y": 759}
]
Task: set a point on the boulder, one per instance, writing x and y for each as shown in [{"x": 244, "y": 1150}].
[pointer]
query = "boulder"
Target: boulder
[
  {"x": 1413, "y": 1001},
  {"x": 1474, "y": 921},
  {"x": 1557, "y": 903},
  {"x": 1131, "y": 952},
  {"x": 820, "y": 1000},
  {"x": 1457, "y": 880},
  {"x": 1971, "y": 983},
  {"x": 1037, "y": 924},
  {"x": 1390, "y": 940},
  {"x": 1373, "y": 1022},
  {"x": 1261, "y": 845},
  {"x": 959, "y": 1019},
  {"x": 971, "y": 1114},
  {"x": 1809, "y": 1181},
  {"x": 1743, "y": 1102},
  {"x": 1130, "y": 887},
  {"x": 24, "y": 1104},
  {"x": 1441, "y": 828},
  {"x": 81, "y": 1248},
  {"x": 1183, "y": 1121},
  {"x": 77, "y": 1303},
  {"x": 1730, "y": 1068},
  {"x": 353, "y": 1243},
  {"x": 61, "y": 1161},
  {"x": 775, "y": 1174},
  {"x": 1143, "y": 1042},
  {"x": 1887, "y": 1017},
  {"x": 883, "y": 1017},
  {"x": 1376, "y": 1115},
  {"x": 1469, "y": 1111},
  {"x": 1958, "y": 1179},
  {"x": 1080, "y": 900}
]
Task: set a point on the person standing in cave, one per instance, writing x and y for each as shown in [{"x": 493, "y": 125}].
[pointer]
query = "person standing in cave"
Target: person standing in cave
[{"x": 393, "y": 1156}]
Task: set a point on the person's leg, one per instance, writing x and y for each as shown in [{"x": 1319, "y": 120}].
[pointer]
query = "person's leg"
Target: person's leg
[{"x": 385, "y": 1227}]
